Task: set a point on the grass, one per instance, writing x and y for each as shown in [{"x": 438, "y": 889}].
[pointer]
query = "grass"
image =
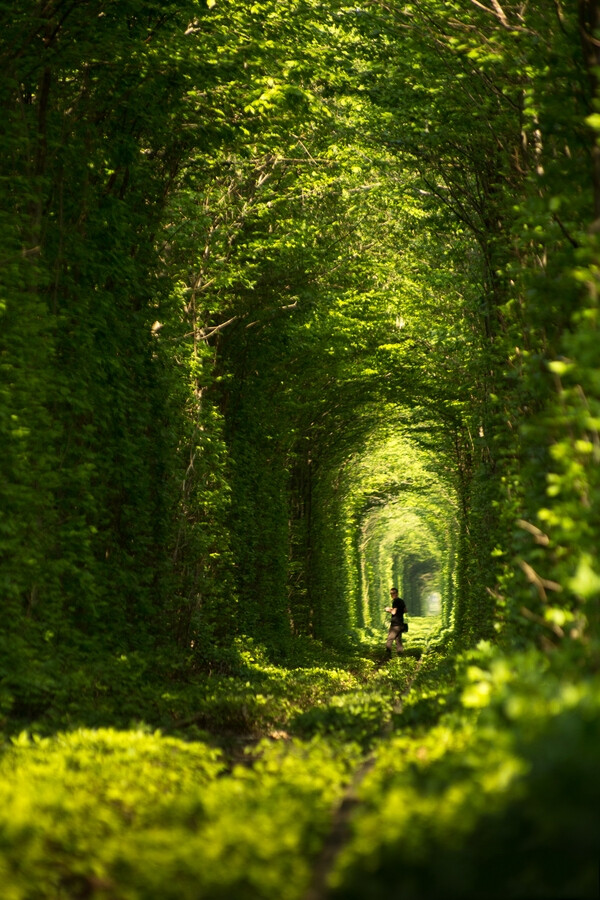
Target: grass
[{"x": 483, "y": 782}]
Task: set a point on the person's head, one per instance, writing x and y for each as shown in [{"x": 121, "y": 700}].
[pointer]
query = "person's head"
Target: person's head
[{"x": 393, "y": 592}]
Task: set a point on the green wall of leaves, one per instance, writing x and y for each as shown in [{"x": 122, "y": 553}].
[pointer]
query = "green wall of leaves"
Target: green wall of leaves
[{"x": 246, "y": 247}]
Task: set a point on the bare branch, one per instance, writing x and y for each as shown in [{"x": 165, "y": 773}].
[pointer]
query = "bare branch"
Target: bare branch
[
  {"x": 541, "y": 584},
  {"x": 560, "y": 16},
  {"x": 562, "y": 227},
  {"x": 556, "y": 629},
  {"x": 497, "y": 12},
  {"x": 500, "y": 13},
  {"x": 540, "y": 537},
  {"x": 205, "y": 334}
]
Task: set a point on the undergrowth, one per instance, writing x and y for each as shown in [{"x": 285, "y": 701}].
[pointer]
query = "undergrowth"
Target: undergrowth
[
  {"x": 490, "y": 787},
  {"x": 235, "y": 800},
  {"x": 483, "y": 782}
]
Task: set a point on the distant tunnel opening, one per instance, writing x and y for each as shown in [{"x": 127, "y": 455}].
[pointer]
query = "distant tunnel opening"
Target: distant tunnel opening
[
  {"x": 420, "y": 584},
  {"x": 399, "y": 529}
]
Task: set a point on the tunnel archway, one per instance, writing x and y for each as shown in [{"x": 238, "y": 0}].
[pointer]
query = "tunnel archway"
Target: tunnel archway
[{"x": 390, "y": 519}]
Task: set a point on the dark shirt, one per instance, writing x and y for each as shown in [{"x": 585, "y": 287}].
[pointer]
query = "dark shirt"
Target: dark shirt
[{"x": 400, "y": 606}]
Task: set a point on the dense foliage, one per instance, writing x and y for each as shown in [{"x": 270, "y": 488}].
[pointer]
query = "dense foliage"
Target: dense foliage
[{"x": 299, "y": 300}]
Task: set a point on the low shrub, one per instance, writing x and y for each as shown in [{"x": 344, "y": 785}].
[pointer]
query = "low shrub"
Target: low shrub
[
  {"x": 125, "y": 815},
  {"x": 498, "y": 798}
]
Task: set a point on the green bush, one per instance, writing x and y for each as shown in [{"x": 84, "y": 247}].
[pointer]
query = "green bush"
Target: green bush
[
  {"x": 137, "y": 815},
  {"x": 499, "y": 799},
  {"x": 358, "y": 717}
]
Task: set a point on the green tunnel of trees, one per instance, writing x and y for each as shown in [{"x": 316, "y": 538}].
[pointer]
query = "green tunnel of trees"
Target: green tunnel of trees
[{"x": 299, "y": 299}]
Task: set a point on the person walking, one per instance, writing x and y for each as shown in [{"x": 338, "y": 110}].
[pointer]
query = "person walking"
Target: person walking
[{"x": 397, "y": 609}]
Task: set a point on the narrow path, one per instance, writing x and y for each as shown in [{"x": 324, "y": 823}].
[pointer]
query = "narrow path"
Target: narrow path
[
  {"x": 340, "y": 832},
  {"x": 338, "y": 836}
]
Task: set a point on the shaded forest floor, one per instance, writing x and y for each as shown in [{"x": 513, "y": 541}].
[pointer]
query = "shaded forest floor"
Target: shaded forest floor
[{"x": 309, "y": 781}]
